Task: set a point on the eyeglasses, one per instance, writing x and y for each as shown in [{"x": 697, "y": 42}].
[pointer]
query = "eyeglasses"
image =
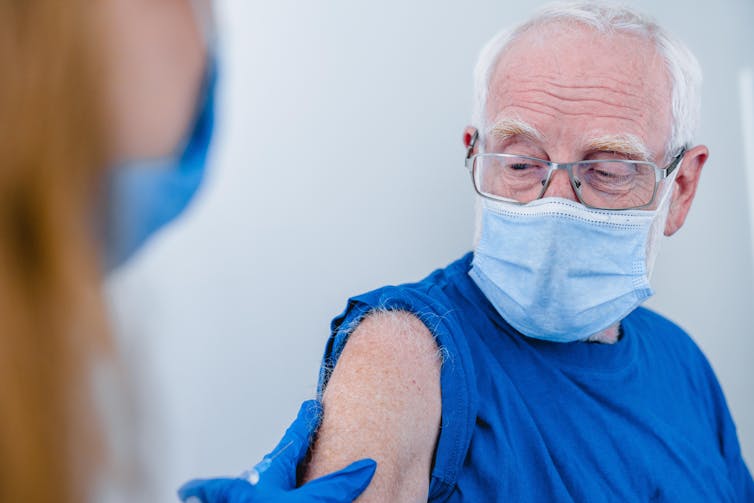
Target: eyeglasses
[{"x": 609, "y": 184}]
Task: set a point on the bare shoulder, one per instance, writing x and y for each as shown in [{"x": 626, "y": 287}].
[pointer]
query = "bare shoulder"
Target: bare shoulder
[{"x": 383, "y": 401}]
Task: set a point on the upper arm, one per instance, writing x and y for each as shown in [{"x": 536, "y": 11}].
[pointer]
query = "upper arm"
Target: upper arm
[{"x": 383, "y": 401}]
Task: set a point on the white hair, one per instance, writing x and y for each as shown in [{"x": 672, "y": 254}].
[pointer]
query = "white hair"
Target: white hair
[{"x": 682, "y": 66}]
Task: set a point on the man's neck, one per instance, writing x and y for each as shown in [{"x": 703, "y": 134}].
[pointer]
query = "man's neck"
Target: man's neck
[{"x": 610, "y": 335}]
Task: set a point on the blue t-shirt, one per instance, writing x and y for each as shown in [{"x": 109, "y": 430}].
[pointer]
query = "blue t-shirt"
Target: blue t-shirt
[{"x": 643, "y": 419}]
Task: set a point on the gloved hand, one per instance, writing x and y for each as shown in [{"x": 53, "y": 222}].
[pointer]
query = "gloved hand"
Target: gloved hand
[{"x": 277, "y": 484}]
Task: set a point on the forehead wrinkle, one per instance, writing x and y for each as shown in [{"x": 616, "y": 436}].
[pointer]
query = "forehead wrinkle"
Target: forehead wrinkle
[
  {"x": 626, "y": 144},
  {"x": 581, "y": 87},
  {"x": 568, "y": 85},
  {"x": 601, "y": 83},
  {"x": 554, "y": 111},
  {"x": 617, "y": 101},
  {"x": 588, "y": 98}
]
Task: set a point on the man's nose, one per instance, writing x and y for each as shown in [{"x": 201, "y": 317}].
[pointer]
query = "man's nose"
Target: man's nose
[{"x": 560, "y": 186}]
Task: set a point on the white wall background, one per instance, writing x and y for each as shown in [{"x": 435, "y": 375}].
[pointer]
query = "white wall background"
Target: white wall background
[{"x": 337, "y": 169}]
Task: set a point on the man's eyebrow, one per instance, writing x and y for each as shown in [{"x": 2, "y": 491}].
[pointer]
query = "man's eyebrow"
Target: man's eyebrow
[
  {"x": 625, "y": 144},
  {"x": 508, "y": 127}
]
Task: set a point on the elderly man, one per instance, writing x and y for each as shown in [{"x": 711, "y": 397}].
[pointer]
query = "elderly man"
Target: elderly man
[{"x": 526, "y": 371}]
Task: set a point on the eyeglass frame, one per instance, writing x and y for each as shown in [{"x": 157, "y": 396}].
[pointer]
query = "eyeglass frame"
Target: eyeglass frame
[{"x": 660, "y": 174}]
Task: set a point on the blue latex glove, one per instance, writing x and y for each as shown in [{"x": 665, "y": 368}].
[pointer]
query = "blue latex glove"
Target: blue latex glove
[{"x": 277, "y": 484}]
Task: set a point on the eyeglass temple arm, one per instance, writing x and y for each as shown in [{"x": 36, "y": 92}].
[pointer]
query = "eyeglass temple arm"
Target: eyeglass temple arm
[
  {"x": 470, "y": 148},
  {"x": 675, "y": 162}
]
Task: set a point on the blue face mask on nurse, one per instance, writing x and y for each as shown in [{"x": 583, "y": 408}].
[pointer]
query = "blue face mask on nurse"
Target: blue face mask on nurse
[{"x": 163, "y": 135}]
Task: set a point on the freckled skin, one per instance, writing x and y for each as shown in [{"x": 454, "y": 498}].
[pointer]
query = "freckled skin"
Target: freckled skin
[{"x": 383, "y": 402}]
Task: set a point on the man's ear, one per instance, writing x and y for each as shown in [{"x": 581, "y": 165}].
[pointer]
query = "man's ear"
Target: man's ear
[{"x": 684, "y": 187}]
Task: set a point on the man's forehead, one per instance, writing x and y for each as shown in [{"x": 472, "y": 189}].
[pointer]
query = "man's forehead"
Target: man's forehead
[
  {"x": 569, "y": 74},
  {"x": 576, "y": 54},
  {"x": 561, "y": 37}
]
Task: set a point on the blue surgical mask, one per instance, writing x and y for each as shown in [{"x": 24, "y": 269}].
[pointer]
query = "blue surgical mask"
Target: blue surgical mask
[
  {"x": 559, "y": 271},
  {"x": 145, "y": 195}
]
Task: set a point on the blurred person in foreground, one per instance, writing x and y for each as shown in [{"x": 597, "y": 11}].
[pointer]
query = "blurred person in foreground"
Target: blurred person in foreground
[
  {"x": 527, "y": 370},
  {"x": 106, "y": 117},
  {"x": 88, "y": 88}
]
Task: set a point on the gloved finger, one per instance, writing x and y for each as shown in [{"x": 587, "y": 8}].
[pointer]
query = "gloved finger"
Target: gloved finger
[
  {"x": 292, "y": 449},
  {"x": 298, "y": 435},
  {"x": 337, "y": 487},
  {"x": 220, "y": 490}
]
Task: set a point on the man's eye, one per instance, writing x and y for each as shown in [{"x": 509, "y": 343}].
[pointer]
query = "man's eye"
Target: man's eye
[
  {"x": 599, "y": 177},
  {"x": 520, "y": 166},
  {"x": 602, "y": 173}
]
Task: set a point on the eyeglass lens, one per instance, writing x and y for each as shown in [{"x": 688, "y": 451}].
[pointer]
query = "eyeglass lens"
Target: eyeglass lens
[{"x": 611, "y": 184}]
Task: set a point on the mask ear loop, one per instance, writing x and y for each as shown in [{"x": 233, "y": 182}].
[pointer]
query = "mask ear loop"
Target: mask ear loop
[
  {"x": 204, "y": 15},
  {"x": 669, "y": 182},
  {"x": 657, "y": 228}
]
